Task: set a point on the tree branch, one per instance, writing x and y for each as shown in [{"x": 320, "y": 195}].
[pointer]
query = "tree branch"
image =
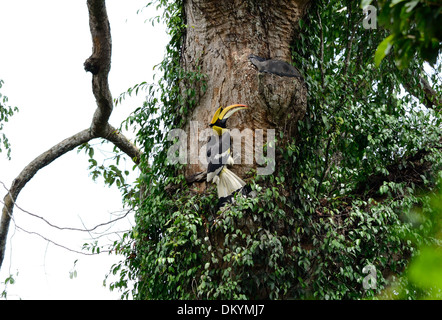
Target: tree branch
[
  {"x": 99, "y": 65},
  {"x": 118, "y": 139},
  {"x": 67, "y": 228},
  {"x": 29, "y": 172}
]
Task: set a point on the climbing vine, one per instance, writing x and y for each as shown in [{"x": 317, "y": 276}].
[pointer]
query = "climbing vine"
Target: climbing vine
[
  {"x": 5, "y": 113},
  {"x": 340, "y": 199}
]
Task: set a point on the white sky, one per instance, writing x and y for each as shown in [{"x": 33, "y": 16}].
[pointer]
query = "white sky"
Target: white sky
[{"x": 43, "y": 46}]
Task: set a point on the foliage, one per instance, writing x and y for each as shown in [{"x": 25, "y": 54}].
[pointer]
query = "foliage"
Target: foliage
[
  {"x": 168, "y": 102},
  {"x": 423, "y": 279},
  {"x": 371, "y": 138},
  {"x": 110, "y": 173},
  {"x": 5, "y": 113},
  {"x": 340, "y": 199},
  {"x": 414, "y": 27},
  {"x": 10, "y": 280}
]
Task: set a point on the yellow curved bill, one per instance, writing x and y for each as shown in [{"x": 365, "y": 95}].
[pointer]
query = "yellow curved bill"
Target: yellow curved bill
[
  {"x": 215, "y": 116},
  {"x": 228, "y": 111}
]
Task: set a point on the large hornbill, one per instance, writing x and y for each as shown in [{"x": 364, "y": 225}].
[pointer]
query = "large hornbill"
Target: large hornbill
[{"x": 219, "y": 155}]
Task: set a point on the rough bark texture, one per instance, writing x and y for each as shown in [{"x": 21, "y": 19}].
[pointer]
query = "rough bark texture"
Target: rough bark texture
[
  {"x": 99, "y": 65},
  {"x": 220, "y": 37}
]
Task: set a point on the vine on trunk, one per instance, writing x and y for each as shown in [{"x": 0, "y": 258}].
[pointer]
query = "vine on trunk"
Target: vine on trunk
[{"x": 342, "y": 198}]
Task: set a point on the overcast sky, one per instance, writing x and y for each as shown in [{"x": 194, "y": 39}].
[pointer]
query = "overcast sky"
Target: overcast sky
[{"x": 43, "y": 46}]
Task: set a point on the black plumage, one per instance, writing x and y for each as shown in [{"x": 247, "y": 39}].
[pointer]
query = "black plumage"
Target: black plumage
[{"x": 218, "y": 152}]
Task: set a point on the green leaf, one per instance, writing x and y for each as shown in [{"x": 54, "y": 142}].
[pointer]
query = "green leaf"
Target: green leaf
[
  {"x": 425, "y": 270},
  {"x": 395, "y": 2},
  {"x": 383, "y": 189},
  {"x": 410, "y": 5},
  {"x": 383, "y": 49},
  {"x": 365, "y": 3}
]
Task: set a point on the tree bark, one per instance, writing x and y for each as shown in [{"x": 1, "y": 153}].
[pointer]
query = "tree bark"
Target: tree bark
[
  {"x": 220, "y": 37},
  {"x": 99, "y": 65}
]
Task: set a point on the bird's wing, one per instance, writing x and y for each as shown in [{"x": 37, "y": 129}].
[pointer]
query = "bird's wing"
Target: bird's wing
[{"x": 218, "y": 153}]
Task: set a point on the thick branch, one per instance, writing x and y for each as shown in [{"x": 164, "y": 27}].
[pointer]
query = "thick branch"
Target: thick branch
[
  {"x": 29, "y": 172},
  {"x": 110, "y": 133},
  {"x": 99, "y": 64},
  {"x": 113, "y": 135}
]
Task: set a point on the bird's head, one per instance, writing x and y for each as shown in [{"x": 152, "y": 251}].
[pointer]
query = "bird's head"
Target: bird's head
[{"x": 221, "y": 116}]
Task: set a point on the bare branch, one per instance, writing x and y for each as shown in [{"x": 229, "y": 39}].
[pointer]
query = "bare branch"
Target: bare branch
[
  {"x": 98, "y": 64},
  {"x": 57, "y": 244},
  {"x": 68, "y": 228},
  {"x": 29, "y": 172}
]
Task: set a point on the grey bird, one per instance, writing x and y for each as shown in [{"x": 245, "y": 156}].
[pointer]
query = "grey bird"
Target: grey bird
[{"x": 274, "y": 66}]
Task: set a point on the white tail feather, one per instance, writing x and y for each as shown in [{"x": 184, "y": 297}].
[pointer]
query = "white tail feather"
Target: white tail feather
[{"x": 228, "y": 183}]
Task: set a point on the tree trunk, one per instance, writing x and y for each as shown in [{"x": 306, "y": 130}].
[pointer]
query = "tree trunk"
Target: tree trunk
[{"x": 220, "y": 37}]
